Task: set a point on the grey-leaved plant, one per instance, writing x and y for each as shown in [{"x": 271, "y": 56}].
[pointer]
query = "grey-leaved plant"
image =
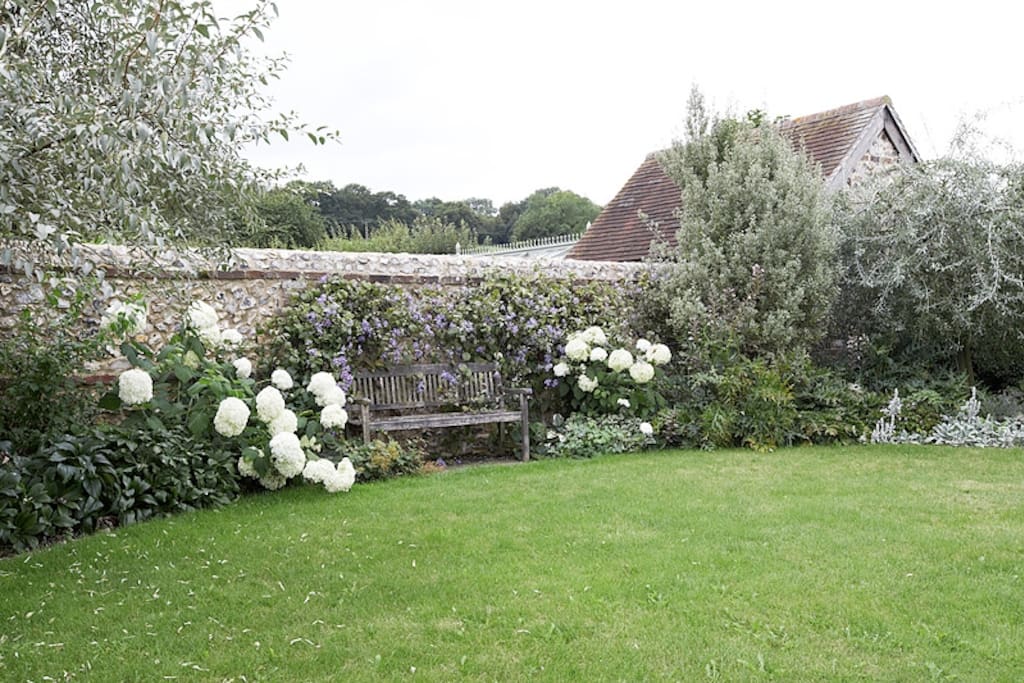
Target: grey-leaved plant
[{"x": 755, "y": 268}]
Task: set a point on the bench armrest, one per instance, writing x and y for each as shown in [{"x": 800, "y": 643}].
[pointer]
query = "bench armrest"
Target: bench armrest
[
  {"x": 359, "y": 401},
  {"x": 519, "y": 391}
]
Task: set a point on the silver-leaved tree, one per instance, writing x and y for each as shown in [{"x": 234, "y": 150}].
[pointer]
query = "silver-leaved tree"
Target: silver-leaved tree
[
  {"x": 935, "y": 257},
  {"x": 755, "y": 268},
  {"x": 124, "y": 121}
]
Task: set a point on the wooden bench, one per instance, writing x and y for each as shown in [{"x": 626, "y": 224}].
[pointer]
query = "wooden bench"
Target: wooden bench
[{"x": 423, "y": 397}]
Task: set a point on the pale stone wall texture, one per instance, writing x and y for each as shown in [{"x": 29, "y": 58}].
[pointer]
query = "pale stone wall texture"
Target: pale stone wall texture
[
  {"x": 881, "y": 156},
  {"x": 256, "y": 283}
]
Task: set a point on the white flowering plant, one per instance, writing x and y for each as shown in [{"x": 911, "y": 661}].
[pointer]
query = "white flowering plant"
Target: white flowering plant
[
  {"x": 596, "y": 377},
  {"x": 199, "y": 380}
]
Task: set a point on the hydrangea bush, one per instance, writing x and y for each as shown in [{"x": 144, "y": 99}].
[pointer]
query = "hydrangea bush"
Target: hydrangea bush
[
  {"x": 198, "y": 381},
  {"x": 596, "y": 377}
]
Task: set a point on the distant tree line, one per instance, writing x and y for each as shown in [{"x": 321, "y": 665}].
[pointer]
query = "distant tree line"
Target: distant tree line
[{"x": 306, "y": 214}]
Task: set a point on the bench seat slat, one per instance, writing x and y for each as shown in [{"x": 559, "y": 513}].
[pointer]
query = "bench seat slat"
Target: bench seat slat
[{"x": 400, "y": 422}]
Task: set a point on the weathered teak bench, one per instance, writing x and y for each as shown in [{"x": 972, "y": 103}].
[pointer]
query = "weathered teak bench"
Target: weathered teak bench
[{"x": 422, "y": 397}]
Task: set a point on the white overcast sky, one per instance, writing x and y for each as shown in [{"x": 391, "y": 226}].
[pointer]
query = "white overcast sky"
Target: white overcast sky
[{"x": 459, "y": 99}]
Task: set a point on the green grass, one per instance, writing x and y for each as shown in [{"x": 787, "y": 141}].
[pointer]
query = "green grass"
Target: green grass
[{"x": 864, "y": 563}]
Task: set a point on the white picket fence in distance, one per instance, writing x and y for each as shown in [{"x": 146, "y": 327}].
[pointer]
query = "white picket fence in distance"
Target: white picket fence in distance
[{"x": 553, "y": 247}]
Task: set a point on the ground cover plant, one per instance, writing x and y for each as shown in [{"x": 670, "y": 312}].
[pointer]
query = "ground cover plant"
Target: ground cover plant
[{"x": 860, "y": 563}]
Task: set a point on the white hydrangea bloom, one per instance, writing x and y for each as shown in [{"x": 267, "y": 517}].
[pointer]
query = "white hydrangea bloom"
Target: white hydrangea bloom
[
  {"x": 333, "y": 416},
  {"x": 320, "y": 382},
  {"x": 343, "y": 479},
  {"x": 201, "y": 315},
  {"x": 659, "y": 354},
  {"x": 246, "y": 469},
  {"x": 597, "y": 354},
  {"x": 269, "y": 404},
  {"x": 281, "y": 379},
  {"x": 642, "y": 345},
  {"x": 646, "y": 429},
  {"x": 243, "y": 368},
  {"x": 318, "y": 471},
  {"x": 619, "y": 360},
  {"x": 133, "y": 314},
  {"x": 642, "y": 372},
  {"x": 333, "y": 396},
  {"x": 190, "y": 359},
  {"x": 287, "y": 455},
  {"x": 286, "y": 421},
  {"x": 561, "y": 369},
  {"x": 134, "y": 386},
  {"x": 231, "y": 337},
  {"x": 586, "y": 384},
  {"x": 577, "y": 349},
  {"x": 624, "y": 402},
  {"x": 595, "y": 335},
  {"x": 210, "y": 336},
  {"x": 232, "y": 416}
]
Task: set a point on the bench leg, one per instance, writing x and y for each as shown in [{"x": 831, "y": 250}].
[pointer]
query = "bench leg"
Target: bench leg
[
  {"x": 364, "y": 417},
  {"x": 525, "y": 409}
]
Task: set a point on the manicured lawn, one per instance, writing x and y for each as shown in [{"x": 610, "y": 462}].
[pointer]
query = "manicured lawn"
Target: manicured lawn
[{"x": 864, "y": 563}]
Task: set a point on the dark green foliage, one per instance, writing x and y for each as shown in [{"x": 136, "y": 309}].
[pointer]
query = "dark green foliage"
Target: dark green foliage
[
  {"x": 41, "y": 359},
  {"x": 111, "y": 475},
  {"x": 765, "y": 405},
  {"x": 554, "y": 212},
  {"x": 288, "y": 221},
  {"x": 583, "y": 436}
]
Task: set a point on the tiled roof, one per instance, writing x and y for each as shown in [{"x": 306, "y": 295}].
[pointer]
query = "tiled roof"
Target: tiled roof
[
  {"x": 619, "y": 233},
  {"x": 835, "y": 140},
  {"x": 828, "y": 138}
]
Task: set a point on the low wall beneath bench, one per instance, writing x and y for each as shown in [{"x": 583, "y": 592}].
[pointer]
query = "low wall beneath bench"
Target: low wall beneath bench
[{"x": 257, "y": 283}]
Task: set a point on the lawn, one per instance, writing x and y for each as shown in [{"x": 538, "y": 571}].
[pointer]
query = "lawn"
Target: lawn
[{"x": 861, "y": 563}]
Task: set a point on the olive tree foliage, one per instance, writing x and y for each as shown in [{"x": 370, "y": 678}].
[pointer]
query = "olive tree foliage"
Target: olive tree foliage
[
  {"x": 935, "y": 261},
  {"x": 755, "y": 269},
  {"x": 124, "y": 121}
]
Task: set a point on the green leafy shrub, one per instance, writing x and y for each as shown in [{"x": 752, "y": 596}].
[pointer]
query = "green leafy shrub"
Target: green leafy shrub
[
  {"x": 426, "y": 235},
  {"x": 41, "y": 361},
  {"x": 584, "y": 436},
  {"x": 386, "y": 458},
  {"x": 597, "y": 377}
]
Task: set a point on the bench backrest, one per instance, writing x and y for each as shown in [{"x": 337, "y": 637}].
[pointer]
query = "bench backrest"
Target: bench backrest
[{"x": 429, "y": 386}]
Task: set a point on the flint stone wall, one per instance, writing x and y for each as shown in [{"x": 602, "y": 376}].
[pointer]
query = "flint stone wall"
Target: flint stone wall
[{"x": 257, "y": 283}]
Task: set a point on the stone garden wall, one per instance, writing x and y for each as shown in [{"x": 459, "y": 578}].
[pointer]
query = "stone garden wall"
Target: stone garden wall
[{"x": 256, "y": 283}]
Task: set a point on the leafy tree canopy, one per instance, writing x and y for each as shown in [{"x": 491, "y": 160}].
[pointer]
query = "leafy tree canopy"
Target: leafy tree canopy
[
  {"x": 551, "y": 211},
  {"x": 935, "y": 257},
  {"x": 124, "y": 121}
]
